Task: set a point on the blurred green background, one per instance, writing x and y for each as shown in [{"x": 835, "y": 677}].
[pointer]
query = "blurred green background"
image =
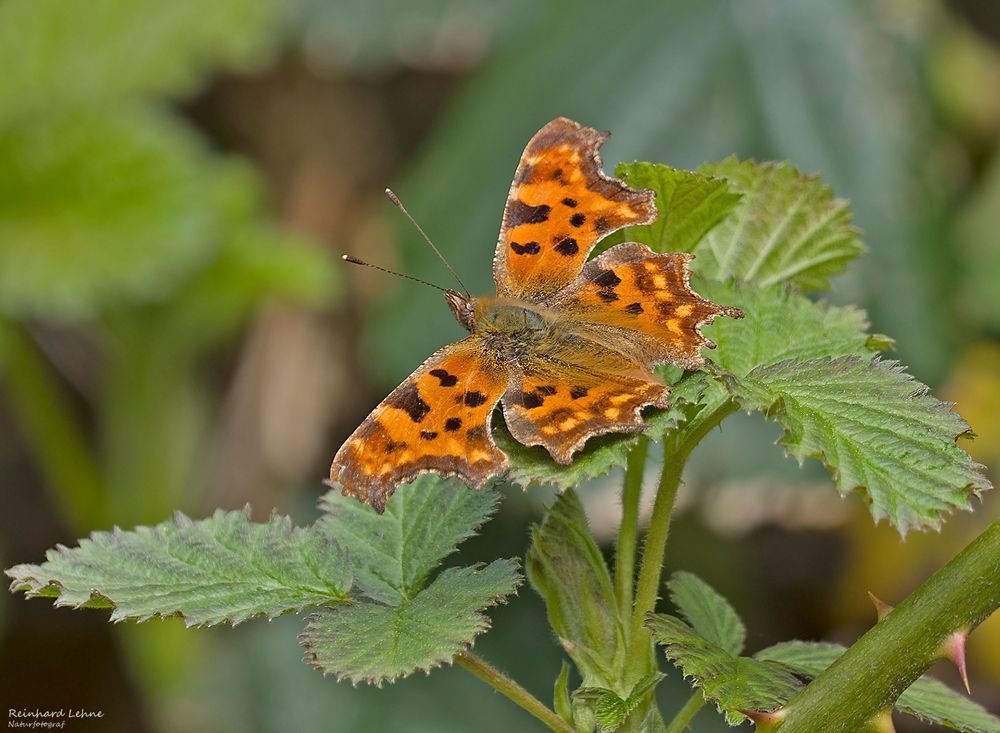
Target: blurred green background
[{"x": 177, "y": 181}]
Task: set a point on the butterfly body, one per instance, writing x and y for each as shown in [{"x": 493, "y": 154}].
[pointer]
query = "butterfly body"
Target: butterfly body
[{"x": 567, "y": 346}]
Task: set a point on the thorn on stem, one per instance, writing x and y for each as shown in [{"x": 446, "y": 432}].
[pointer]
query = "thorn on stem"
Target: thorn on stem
[
  {"x": 881, "y": 607},
  {"x": 765, "y": 721},
  {"x": 882, "y": 722},
  {"x": 953, "y": 649}
]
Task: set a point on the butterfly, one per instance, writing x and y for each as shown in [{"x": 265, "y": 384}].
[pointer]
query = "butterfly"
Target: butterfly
[{"x": 567, "y": 346}]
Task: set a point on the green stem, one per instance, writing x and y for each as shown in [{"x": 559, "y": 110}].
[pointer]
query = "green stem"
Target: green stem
[
  {"x": 627, "y": 531},
  {"x": 898, "y": 649},
  {"x": 685, "y": 714},
  {"x": 676, "y": 449},
  {"x": 506, "y": 686},
  {"x": 51, "y": 429}
]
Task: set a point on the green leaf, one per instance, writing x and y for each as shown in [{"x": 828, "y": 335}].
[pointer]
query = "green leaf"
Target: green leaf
[
  {"x": 927, "y": 698},
  {"x": 375, "y": 643},
  {"x": 876, "y": 428},
  {"x": 533, "y": 464},
  {"x": 225, "y": 569},
  {"x": 566, "y": 568},
  {"x": 406, "y": 626},
  {"x": 733, "y": 683},
  {"x": 101, "y": 207},
  {"x": 690, "y": 205},
  {"x": 779, "y": 324},
  {"x": 788, "y": 228},
  {"x": 561, "y": 701},
  {"x": 709, "y": 614},
  {"x": 610, "y": 709},
  {"x": 58, "y": 54},
  {"x": 393, "y": 553}
]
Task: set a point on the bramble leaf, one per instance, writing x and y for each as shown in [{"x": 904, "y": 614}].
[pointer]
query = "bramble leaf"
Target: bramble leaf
[
  {"x": 611, "y": 710},
  {"x": 927, "y": 698},
  {"x": 788, "y": 228},
  {"x": 393, "y": 553},
  {"x": 690, "y": 204},
  {"x": 368, "y": 641},
  {"x": 876, "y": 428},
  {"x": 566, "y": 568},
  {"x": 405, "y": 624},
  {"x": 733, "y": 683},
  {"x": 708, "y": 613},
  {"x": 225, "y": 569},
  {"x": 780, "y": 324}
]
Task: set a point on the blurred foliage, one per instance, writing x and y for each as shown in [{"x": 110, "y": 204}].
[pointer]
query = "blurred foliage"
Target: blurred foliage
[
  {"x": 115, "y": 217},
  {"x": 369, "y": 36},
  {"x": 57, "y": 54}
]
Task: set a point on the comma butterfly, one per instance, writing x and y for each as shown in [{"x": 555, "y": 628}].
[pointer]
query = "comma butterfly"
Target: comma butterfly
[{"x": 567, "y": 346}]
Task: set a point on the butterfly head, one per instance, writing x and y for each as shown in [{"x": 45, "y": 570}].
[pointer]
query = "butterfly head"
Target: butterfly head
[{"x": 464, "y": 308}]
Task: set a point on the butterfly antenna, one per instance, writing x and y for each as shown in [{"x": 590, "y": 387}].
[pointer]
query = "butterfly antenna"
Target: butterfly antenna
[
  {"x": 356, "y": 261},
  {"x": 399, "y": 205}
]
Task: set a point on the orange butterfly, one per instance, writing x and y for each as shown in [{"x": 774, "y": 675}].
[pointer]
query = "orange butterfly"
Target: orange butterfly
[{"x": 567, "y": 345}]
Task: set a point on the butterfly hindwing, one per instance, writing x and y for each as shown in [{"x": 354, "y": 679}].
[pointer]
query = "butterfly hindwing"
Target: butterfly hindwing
[
  {"x": 641, "y": 303},
  {"x": 560, "y": 205},
  {"x": 575, "y": 392},
  {"x": 437, "y": 420}
]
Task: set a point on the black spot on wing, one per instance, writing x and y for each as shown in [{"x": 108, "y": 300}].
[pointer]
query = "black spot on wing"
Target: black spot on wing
[
  {"x": 408, "y": 399},
  {"x": 608, "y": 296},
  {"x": 634, "y": 308},
  {"x": 519, "y": 213},
  {"x": 475, "y": 399},
  {"x": 446, "y": 379},
  {"x": 578, "y": 392},
  {"x": 607, "y": 279},
  {"x": 452, "y": 424},
  {"x": 571, "y": 203},
  {"x": 577, "y": 219},
  {"x": 546, "y": 390},
  {"x": 567, "y": 247},
  {"x": 428, "y": 434},
  {"x": 529, "y": 248},
  {"x": 531, "y": 400}
]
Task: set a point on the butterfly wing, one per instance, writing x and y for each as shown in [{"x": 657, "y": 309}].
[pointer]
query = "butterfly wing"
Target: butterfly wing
[
  {"x": 437, "y": 420},
  {"x": 640, "y": 303},
  {"x": 575, "y": 390},
  {"x": 560, "y": 205}
]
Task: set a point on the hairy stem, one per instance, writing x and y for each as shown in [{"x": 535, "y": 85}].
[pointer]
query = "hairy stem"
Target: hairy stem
[
  {"x": 51, "y": 429},
  {"x": 898, "y": 649},
  {"x": 627, "y": 531},
  {"x": 676, "y": 449},
  {"x": 506, "y": 686},
  {"x": 686, "y": 713}
]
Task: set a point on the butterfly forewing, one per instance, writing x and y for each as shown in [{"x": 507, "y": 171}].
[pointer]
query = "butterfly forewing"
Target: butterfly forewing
[
  {"x": 560, "y": 205},
  {"x": 437, "y": 420}
]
